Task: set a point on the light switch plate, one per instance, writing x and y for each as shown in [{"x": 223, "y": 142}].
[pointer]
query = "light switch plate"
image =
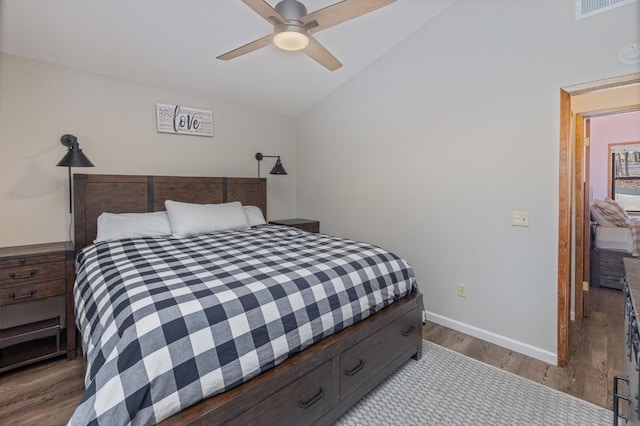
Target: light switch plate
[{"x": 519, "y": 218}]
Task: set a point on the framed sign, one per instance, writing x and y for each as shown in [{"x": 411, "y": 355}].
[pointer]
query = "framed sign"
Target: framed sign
[{"x": 184, "y": 120}]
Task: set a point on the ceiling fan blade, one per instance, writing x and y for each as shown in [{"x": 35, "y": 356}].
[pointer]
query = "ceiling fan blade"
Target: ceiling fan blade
[
  {"x": 265, "y": 10},
  {"x": 321, "y": 55},
  {"x": 340, "y": 12},
  {"x": 249, "y": 47}
]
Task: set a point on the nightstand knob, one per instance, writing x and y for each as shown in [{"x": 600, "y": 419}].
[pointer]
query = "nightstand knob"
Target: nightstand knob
[{"x": 23, "y": 261}]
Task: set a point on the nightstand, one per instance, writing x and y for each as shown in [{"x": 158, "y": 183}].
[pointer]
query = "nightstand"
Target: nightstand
[
  {"x": 35, "y": 273},
  {"x": 303, "y": 224}
]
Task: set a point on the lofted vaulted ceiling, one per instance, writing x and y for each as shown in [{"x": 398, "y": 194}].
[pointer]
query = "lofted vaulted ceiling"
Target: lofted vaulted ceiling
[{"x": 173, "y": 44}]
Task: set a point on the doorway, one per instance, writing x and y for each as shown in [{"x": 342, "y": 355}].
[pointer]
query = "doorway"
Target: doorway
[{"x": 571, "y": 194}]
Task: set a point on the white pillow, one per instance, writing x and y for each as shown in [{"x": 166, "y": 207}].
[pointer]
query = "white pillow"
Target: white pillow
[
  {"x": 254, "y": 215},
  {"x": 112, "y": 226},
  {"x": 189, "y": 219}
]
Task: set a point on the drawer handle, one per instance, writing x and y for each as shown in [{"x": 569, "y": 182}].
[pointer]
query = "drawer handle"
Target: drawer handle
[
  {"x": 13, "y": 296},
  {"x": 316, "y": 398},
  {"x": 617, "y": 397},
  {"x": 355, "y": 370},
  {"x": 409, "y": 331},
  {"x": 20, "y": 277}
]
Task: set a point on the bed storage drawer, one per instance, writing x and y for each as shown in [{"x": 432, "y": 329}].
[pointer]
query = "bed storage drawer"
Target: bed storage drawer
[
  {"x": 374, "y": 353},
  {"x": 299, "y": 403},
  {"x": 607, "y": 268}
]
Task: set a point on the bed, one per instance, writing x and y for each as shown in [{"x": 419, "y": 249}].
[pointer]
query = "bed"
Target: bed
[
  {"x": 615, "y": 235},
  {"x": 313, "y": 380}
]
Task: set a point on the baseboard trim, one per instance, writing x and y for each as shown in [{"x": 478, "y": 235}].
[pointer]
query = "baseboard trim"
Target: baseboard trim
[{"x": 523, "y": 348}]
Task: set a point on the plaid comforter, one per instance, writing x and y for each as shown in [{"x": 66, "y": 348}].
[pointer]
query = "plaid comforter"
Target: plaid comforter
[{"x": 167, "y": 322}]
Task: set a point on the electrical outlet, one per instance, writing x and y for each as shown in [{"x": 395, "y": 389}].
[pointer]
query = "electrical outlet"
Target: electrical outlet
[{"x": 462, "y": 290}]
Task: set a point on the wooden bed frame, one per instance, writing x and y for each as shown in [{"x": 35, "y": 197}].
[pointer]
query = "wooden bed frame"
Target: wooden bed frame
[
  {"x": 315, "y": 386},
  {"x": 95, "y": 194}
]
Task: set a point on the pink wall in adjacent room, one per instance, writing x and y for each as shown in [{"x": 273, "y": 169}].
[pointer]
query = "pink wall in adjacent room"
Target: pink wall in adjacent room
[{"x": 605, "y": 130}]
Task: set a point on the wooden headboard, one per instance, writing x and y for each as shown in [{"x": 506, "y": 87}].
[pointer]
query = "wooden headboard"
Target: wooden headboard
[{"x": 95, "y": 194}]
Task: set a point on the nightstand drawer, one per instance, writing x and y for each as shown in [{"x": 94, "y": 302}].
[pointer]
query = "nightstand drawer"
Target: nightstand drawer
[
  {"x": 12, "y": 262},
  {"x": 309, "y": 227},
  {"x": 31, "y": 272},
  {"x": 28, "y": 292}
]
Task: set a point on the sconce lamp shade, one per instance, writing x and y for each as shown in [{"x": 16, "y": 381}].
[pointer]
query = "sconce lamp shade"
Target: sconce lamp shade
[
  {"x": 278, "y": 169},
  {"x": 74, "y": 156}
]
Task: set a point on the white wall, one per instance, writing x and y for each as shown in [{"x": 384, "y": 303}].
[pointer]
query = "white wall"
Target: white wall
[
  {"x": 429, "y": 150},
  {"x": 115, "y": 124}
]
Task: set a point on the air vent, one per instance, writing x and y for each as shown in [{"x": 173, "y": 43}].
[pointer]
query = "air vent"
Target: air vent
[{"x": 586, "y": 8}]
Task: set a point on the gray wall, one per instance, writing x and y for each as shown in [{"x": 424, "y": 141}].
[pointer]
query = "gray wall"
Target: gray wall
[{"x": 430, "y": 149}]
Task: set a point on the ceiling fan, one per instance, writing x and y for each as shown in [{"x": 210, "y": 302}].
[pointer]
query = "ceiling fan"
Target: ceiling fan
[{"x": 293, "y": 26}]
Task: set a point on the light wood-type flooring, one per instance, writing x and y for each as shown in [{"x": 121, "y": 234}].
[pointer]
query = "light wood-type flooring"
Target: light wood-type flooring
[{"x": 47, "y": 393}]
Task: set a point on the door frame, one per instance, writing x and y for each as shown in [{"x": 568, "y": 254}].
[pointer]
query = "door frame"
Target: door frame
[
  {"x": 583, "y": 217},
  {"x": 566, "y": 211}
]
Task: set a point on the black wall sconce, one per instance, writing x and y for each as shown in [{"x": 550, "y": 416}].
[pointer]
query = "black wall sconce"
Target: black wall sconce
[
  {"x": 73, "y": 158},
  {"x": 278, "y": 169}
]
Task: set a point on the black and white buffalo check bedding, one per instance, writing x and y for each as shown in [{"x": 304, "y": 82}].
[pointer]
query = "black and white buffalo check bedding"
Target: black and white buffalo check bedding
[{"x": 167, "y": 322}]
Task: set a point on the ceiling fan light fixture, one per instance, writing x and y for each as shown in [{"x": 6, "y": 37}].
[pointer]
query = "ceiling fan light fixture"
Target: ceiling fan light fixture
[
  {"x": 293, "y": 26},
  {"x": 290, "y": 37}
]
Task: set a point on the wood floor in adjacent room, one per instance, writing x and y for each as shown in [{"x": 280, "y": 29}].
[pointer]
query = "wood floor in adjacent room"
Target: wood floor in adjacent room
[{"x": 48, "y": 392}]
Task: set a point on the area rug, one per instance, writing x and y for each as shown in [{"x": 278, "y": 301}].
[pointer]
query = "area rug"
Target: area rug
[{"x": 447, "y": 388}]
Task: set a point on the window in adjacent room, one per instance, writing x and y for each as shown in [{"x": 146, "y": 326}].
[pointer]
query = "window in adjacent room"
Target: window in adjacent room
[{"x": 625, "y": 176}]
